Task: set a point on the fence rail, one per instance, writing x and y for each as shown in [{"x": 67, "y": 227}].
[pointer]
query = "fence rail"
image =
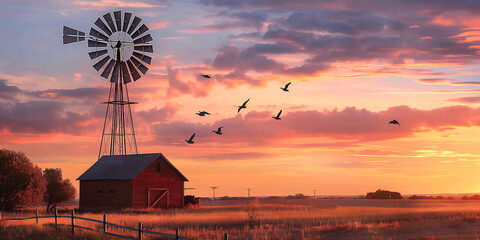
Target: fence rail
[{"x": 139, "y": 230}]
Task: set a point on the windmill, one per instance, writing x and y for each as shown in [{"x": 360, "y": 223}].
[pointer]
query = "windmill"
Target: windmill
[{"x": 118, "y": 48}]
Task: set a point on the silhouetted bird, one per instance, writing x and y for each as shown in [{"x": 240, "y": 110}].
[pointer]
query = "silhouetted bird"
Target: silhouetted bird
[
  {"x": 278, "y": 115},
  {"x": 286, "y": 87},
  {"x": 244, "y": 105},
  {"x": 190, "y": 141},
  {"x": 205, "y": 76},
  {"x": 202, "y": 113},
  {"x": 394, "y": 122},
  {"x": 219, "y": 131}
]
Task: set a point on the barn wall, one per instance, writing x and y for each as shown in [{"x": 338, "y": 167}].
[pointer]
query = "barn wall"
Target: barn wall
[
  {"x": 168, "y": 178},
  {"x": 115, "y": 194}
]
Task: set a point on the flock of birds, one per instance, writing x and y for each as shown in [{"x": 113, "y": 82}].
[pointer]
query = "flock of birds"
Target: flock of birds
[{"x": 244, "y": 105}]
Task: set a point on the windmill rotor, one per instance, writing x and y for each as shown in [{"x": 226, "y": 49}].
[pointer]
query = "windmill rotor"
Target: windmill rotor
[
  {"x": 110, "y": 33},
  {"x": 119, "y": 45}
]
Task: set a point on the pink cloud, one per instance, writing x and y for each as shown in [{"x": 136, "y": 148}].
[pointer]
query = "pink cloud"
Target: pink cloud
[
  {"x": 114, "y": 3},
  {"x": 466, "y": 100},
  {"x": 158, "y": 25},
  {"x": 350, "y": 123}
]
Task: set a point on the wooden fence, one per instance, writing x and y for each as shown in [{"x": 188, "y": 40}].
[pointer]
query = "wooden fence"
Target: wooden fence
[{"x": 140, "y": 229}]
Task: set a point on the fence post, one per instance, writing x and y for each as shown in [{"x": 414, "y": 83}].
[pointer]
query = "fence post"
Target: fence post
[
  {"x": 36, "y": 215},
  {"x": 140, "y": 231},
  {"x": 73, "y": 221},
  {"x": 225, "y": 236},
  {"x": 56, "y": 218},
  {"x": 176, "y": 234},
  {"x": 104, "y": 223}
]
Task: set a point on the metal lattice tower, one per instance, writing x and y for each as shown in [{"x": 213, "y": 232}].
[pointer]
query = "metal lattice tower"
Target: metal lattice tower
[
  {"x": 121, "y": 43},
  {"x": 118, "y": 135}
]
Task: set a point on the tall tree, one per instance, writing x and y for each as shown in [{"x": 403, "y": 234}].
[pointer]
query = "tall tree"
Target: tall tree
[
  {"x": 59, "y": 190},
  {"x": 21, "y": 182}
]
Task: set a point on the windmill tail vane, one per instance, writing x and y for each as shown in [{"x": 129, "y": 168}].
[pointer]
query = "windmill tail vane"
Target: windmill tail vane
[{"x": 122, "y": 44}]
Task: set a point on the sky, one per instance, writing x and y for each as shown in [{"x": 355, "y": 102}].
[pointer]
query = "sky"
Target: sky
[{"x": 354, "y": 66}]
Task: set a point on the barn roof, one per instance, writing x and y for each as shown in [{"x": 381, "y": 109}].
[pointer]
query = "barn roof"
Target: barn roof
[{"x": 122, "y": 167}]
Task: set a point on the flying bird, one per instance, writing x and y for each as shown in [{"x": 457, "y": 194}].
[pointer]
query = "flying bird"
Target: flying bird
[
  {"x": 202, "y": 113},
  {"x": 190, "y": 141},
  {"x": 205, "y": 76},
  {"x": 244, "y": 105},
  {"x": 286, "y": 87},
  {"x": 394, "y": 122},
  {"x": 278, "y": 115},
  {"x": 219, "y": 131}
]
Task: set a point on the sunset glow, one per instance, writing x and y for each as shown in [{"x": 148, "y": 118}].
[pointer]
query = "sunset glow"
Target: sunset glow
[{"x": 354, "y": 66}]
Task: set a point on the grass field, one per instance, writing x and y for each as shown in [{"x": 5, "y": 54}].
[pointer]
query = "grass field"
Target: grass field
[{"x": 282, "y": 219}]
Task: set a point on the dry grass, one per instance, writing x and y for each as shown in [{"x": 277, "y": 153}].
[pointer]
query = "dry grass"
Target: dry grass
[{"x": 294, "y": 219}]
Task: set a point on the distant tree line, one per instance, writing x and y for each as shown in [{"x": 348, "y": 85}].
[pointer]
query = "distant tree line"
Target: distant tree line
[
  {"x": 413, "y": 197},
  {"x": 22, "y": 183},
  {"x": 474, "y": 197},
  {"x": 383, "y": 194}
]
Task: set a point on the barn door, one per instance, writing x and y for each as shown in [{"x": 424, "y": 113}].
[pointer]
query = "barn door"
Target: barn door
[{"x": 157, "y": 198}]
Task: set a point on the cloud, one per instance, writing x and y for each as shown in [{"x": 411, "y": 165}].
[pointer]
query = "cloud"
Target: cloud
[
  {"x": 160, "y": 114},
  {"x": 234, "y": 156},
  {"x": 177, "y": 86},
  {"x": 258, "y": 128},
  {"x": 433, "y": 81},
  {"x": 14, "y": 15},
  {"x": 158, "y": 25},
  {"x": 115, "y": 3},
  {"x": 232, "y": 20},
  {"x": 442, "y": 81},
  {"x": 43, "y": 117},
  {"x": 349, "y": 22},
  {"x": 8, "y": 92},
  {"x": 465, "y": 100},
  {"x": 80, "y": 93}
]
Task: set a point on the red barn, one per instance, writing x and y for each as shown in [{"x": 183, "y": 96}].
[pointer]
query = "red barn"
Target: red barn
[{"x": 132, "y": 181}]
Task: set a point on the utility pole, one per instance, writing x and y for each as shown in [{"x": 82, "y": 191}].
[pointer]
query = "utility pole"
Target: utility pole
[
  {"x": 213, "y": 188},
  {"x": 314, "y": 194},
  {"x": 248, "y": 189}
]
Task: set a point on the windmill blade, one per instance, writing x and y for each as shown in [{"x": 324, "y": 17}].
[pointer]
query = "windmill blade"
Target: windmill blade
[
  {"x": 133, "y": 71},
  {"x": 109, "y": 20},
  {"x": 145, "y": 39},
  {"x": 100, "y": 64},
  {"x": 93, "y": 43},
  {"x": 96, "y": 54},
  {"x": 96, "y": 34},
  {"x": 126, "y": 20},
  {"x": 135, "y": 22},
  {"x": 100, "y": 24},
  {"x": 71, "y": 35},
  {"x": 115, "y": 73},
  {"x": 139, "y": 65},
  {"x": 72, "y": 32},
  {"x": 141, "y": 30},
  {"x": 125, "y": 74},
  {"x": 118, "y": 19},
  {"x": 144, "y": 58},
  {"x": 108, "y": 69},
  {"x": 71, "y": 39},
  {"x": 146, "y": 48}
]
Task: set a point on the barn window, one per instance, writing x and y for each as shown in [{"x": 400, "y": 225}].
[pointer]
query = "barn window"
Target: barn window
[
  {"x": 158, "y": 167},
  {"x": 99, "y": 191}
]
